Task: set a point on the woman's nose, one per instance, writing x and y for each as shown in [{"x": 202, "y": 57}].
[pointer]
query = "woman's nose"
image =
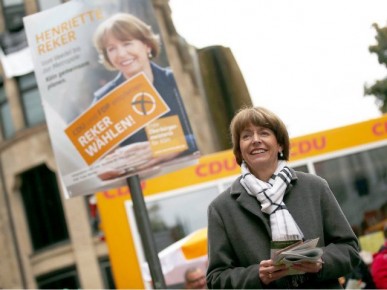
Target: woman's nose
[
  {"x": 121, "y": 51},
  {"x": 256, "y": 138}
]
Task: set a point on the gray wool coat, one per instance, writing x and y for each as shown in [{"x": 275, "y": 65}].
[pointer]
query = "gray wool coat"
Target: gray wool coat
[{"x": 239, "y": 235}]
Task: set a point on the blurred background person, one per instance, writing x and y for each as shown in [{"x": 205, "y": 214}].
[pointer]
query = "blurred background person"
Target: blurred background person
[
  {"x": 360, "y": 277},
  {"x": 195, "y": 278},
  {"x": 379, "y": 264}
]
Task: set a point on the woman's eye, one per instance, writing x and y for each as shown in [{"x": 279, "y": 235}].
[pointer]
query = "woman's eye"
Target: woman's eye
[
  {"x": 110, "y": 49},
  {"x": 245, "y": 136},
  {"x": 265, "y": 133}
]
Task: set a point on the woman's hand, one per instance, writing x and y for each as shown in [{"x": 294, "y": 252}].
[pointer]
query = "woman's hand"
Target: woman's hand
[
  {"x": 125, "y": 160},
  {"x": 134, "y": 157},
  {"x": 159, "y": 159},
  {"x": 268, "y": 272},
  {"x": 308, "y": 267}
]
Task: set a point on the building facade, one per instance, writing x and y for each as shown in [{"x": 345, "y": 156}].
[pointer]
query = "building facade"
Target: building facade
[{"x": 47, "y": 241}]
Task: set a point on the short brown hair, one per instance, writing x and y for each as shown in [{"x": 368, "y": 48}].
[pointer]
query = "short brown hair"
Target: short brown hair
[
  {"x": 258, "y": 116},
  {"x": 124, "y": 27}
]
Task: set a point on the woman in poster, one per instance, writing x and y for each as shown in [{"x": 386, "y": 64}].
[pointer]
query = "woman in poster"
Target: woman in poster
[{"x": 127, "y": 45}]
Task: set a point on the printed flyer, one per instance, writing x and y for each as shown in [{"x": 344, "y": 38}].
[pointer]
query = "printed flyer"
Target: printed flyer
[{"x": 112, "y": 105}]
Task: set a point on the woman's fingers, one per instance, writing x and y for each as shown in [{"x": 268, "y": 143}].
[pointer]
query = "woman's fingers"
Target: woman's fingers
[
  {"x": 309, "y": 267},
  {"x": 268, "y": 272}
]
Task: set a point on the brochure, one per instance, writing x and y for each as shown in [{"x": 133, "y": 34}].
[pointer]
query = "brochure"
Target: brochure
[{"x": 291, "y": 252}]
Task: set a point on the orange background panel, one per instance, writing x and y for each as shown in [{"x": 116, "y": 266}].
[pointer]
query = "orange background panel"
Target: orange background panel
[
  {"x": 126, "y": 269},
  {"x": 115, "y": 107}
]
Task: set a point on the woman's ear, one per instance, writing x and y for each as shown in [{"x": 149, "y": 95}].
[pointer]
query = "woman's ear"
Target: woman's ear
[{"x": 149, "y": 52}]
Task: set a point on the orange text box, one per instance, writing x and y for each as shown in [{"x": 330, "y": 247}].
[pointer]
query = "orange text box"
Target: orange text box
[{"x": 166, "y": 136}]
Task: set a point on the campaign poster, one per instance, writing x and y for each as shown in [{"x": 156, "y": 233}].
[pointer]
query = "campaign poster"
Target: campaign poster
[{"x": 112, "y": 105}]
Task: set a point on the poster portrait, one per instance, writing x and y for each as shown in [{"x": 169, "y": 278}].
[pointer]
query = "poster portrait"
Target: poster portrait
[{"x": 112, "y": 105}]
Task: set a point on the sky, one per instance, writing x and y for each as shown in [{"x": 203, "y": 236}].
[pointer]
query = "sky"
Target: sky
[{"x": 307, "y": 61}]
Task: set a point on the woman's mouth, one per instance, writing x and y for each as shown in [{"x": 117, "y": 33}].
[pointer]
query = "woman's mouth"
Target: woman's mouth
[
  {"x": 127, "y": 62},
  {"x": 257, "y": 151}
]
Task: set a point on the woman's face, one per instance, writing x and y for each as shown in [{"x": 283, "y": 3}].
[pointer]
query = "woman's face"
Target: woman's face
[
  {"x": 259, "y": 149},
  {"x": 130, "y": 56}
]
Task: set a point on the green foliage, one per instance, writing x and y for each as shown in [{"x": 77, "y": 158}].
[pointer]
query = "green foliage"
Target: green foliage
[
  {"x": 381, "y": 47},
  {"x": 379, "y": 88}
]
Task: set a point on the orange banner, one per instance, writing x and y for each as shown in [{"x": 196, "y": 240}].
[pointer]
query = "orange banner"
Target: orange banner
[
  {"x": 118, "y": 115},
  {"x": 338, "y": 139}
]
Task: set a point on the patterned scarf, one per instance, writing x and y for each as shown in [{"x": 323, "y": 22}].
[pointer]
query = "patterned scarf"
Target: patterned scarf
[{"x": 270, "y": 194}]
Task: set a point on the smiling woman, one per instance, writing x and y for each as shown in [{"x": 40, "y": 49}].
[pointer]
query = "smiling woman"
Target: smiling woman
[
  {"x": 261, "y": 140},
  {"x": 265, "y": 205},
  {"x": 128, "y": 45}
]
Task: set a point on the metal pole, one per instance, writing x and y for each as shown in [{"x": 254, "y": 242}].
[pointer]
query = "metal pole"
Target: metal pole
[{"x": 144, "y": 226}]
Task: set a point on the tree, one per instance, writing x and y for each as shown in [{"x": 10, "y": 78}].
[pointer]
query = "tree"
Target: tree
[{"x": 379, "y": 88}]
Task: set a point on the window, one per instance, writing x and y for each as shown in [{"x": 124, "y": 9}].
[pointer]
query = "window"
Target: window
[
  {"x": 5, "y": 114},
  {"x": 43, "y": 207},
  {"x": 62, "y": 279},
  {"x": 106, "y": 271},
  {"x": 30, "y": 98},
  {"x": 13, "y": 13},
  {"x": 175, "y": 215},
  {"x": 93, "y": 214},
  {"x": 169, "y": 219},
  {"x": 302, "y": 168},
  {"x": 359, "y": 182}
]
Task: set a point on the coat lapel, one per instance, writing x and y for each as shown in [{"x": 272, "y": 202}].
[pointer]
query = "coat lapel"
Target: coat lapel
[{"x": 249, "y": 203}]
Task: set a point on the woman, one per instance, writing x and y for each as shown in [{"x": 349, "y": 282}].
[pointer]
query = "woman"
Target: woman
[
  {"x": 127, "y": 44},
  {"x": 272, "y": 202}
]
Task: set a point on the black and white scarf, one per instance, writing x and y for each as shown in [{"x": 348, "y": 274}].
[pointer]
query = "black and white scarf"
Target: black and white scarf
[{"x": 270, "y": 195}]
